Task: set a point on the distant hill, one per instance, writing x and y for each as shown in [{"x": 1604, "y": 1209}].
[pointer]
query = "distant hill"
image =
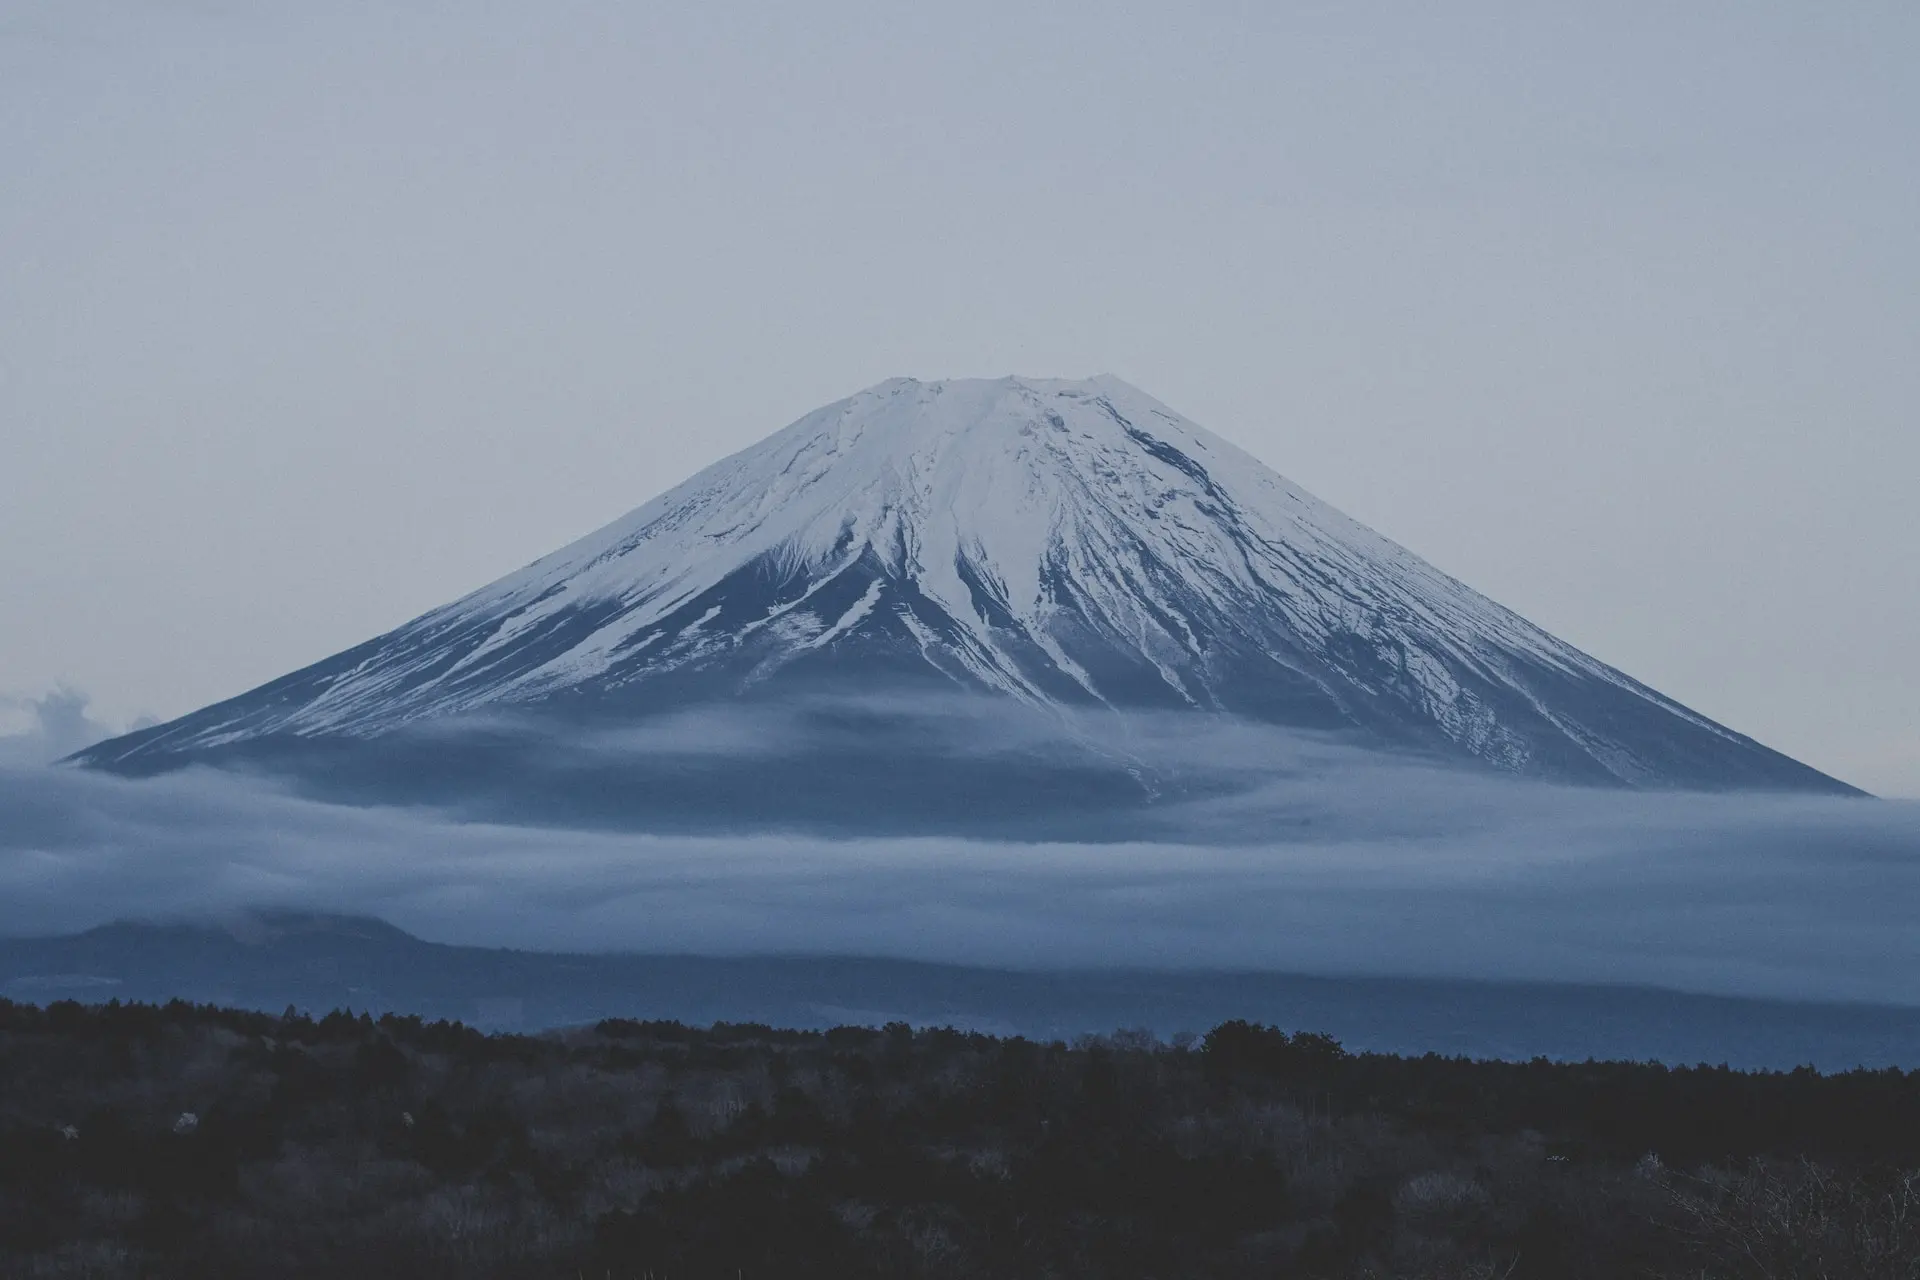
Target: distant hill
[{"x": 319, "y": 963}]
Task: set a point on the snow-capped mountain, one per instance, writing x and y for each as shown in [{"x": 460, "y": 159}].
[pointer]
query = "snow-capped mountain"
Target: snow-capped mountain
[{"x": 1067, "y": 544}]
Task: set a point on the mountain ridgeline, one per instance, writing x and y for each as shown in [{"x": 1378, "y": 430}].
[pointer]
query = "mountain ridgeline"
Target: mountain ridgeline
[{"x": 1069, "y": 553}]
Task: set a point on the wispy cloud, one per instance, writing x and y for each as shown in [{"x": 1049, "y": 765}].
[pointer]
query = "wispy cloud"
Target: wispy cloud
[{"x": 46, "y": 728}]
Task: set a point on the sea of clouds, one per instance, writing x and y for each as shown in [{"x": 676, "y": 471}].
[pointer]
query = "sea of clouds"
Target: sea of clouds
[{"x": 1319, "y": 859}]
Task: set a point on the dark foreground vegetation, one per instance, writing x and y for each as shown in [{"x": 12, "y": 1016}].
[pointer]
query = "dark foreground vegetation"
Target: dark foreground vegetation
[{"x": 188, "y": 1141}]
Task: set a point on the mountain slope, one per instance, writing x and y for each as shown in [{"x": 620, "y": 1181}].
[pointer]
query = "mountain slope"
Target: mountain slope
[{"x": 1066, "y": 544}]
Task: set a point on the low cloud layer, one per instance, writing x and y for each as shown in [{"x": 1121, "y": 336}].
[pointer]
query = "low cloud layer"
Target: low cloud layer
[{"x": 1341, "y": 863}]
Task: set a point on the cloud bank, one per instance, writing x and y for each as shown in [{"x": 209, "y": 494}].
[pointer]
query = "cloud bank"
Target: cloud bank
[{"x": 1336, "y": 862}]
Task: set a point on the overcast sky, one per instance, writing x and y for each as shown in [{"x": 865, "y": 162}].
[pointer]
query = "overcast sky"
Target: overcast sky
[{"x": 315, "y": 316}]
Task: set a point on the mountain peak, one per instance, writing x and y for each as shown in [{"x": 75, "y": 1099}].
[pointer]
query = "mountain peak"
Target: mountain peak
[
  {"x": 1066, "y": 543},
  {"x": 1092, "y": 384}
]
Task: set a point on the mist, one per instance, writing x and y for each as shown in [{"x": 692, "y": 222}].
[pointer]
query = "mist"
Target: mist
[{"x": 1248, "y": 849}]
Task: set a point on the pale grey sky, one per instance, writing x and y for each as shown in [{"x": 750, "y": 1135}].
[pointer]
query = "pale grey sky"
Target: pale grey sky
[{"x": 315, "y": 316}]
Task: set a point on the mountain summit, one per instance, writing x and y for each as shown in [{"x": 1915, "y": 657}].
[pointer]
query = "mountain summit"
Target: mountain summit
[{"x": 1067, "y": 544}]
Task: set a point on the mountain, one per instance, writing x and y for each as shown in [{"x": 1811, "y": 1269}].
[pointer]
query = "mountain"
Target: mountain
[{"x": 1074, "y": 547}]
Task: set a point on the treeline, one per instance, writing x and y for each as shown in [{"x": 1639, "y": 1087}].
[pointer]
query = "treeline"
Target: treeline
[{"x": 182, "y": 1140}]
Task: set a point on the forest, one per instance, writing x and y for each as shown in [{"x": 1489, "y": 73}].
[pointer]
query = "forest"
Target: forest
[{"x": 193, "y": 1141}]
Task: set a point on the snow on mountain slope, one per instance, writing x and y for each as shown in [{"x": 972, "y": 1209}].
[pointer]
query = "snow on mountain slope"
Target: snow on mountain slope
[{"x": 1065, "y": 543}]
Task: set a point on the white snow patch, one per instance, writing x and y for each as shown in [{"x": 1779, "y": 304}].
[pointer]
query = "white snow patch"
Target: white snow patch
[{"x": 851, "y": 618}]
